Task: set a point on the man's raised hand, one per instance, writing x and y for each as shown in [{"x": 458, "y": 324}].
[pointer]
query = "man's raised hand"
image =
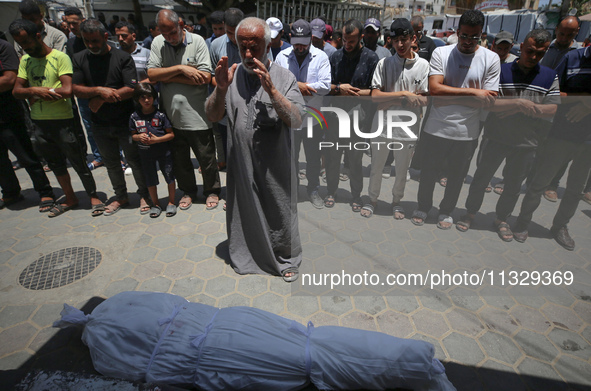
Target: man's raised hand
[{"x": 223, "y": 74}]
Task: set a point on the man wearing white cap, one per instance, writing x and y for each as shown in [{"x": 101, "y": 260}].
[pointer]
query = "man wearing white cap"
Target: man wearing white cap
[
  {"x": 277, "y": 44},
  {"x": 318, "y": 31}
]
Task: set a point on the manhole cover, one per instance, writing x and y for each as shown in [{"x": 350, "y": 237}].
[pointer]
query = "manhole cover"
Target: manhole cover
[{"x": 60, "y": 268}]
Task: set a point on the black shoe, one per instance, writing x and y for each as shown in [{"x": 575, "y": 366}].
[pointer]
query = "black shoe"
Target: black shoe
[{"x": 563, "y": 238}]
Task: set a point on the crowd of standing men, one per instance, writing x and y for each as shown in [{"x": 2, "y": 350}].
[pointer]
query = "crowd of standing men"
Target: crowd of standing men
[{"x": 248, "y": 83}]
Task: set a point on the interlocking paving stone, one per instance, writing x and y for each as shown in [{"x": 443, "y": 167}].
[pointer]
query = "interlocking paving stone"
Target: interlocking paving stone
[
  {"x": 144, "y": 240},
  {"x": 147, "y": 270},
  {"x": 395, "y": 324},
  {"x": 358, "y": 320},
  {"x": 576, "y": 371},
  {"x": 142, "y": 255},
  {"x": 14, "y": 361},
  {"x": 372, "y": 305},
  {"x": 324, "y": 319},
  {"x": 464, "y": 322},
  {"x": 468, "y": 246},
  {"x": 27, "y": 244},
  {"x": 220, "y": 286},
  {"x": 336, "y": 305},
  {"x": 435, "y": 300},
  {"x": 535, "y": 374},
  {"x": 127, "y": 284},
  {"x": 269, "y": 302},
  {"x": 157, "y": 229},
  {"x": 500, "y": 347},
  {"x": 12, "y": 315},
  {"x": 303, "y": 306},
  {"x": 170, "y": 255},
  {"x": 497, "y": 297},
  {"x": 200, "y": 253},
  {"x": 179, "y": 269},
  {"x": 439, "y": 353},
  {"x": 46, "y": 314},
  {"x": 164, "y": 241},
  {"x": 570, "y": 343},
  {"x": 190, "y": 241},
  {"x": 188, "y": 286},
  {"x": 557, "y": 294},
  {"x": 252, "y": 285},
  {"x": 181, "y": 229},
  {"x": 463, "y": 349},
  {"x": 5, "y": 256},
  {"x": 203, "y": 299},
  {"x": 334, "y": 249},
  {"x": 157, "y": 284},
  {"x": 562, "y": 317},
  {"x": 16, "y": 338},
  {"x": 430, "y": 323},
  {"x": 530, "y": 318},
  {"x": 500, "y": 321},
  {"x": 234, "y": 300},
  {"x": 314, "y": 251},
  {"x": 466, "y": 298},
  {"x": 536, "y": 345},
  {"x": 527, "y": 296},
  {"x": 417, "y": 248}
]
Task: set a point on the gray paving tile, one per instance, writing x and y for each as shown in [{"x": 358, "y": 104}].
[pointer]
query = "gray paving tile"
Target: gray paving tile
[
  {"x": 191, "y": 240},
  {"x": 498, "y": 320},
  {"x": 252, "y": 285},
  {"x": 200, "y": 253},
  {"x": 49, "y": 339},
  {"x": 170, "y": 255},
  {"x": 147, "y": 270},
  {"x": 5, "y": 256},
  {"x": 314, "y": 250},
  {"x": 417, "y": 248},
  {"x": 530, "y": 318},
  {"x": 203, "y": 299},
  {"x": 179, "y": 269},
  {"x": 500, "y": 347},
  {"x": 164, "y": 241},
  {"x": 46, "y": 314},
  {"x": 12, "y": 315},
  {"x": 468, "y": 246},
  {"x": 562, "y": 317},
  {"x": 209, "y": 227},
  {"x": 220, "y": 286},
  {"x": 497, "y": 297},
  {"x": 535, "y": 374},
  {"x": 302, "y": 306},
  {"x": 208, "y": 269},
  {"x": 463, "y": 349},
  {"x": 439, "y": 353},
  {"x": 465, "y": 322},
  {"x": 334, "y": 249},
  {"x": 143, "y": 241},
  {"x": 430, "y": 323},
  {"x": 269, "y": 302},
  {"x": 156, "y": 284},
  {"x": 576, "y": 371},
  {"x": 536, "y": 345},
  {"x": 215, "y": 239},
  {"x": 527, "y": 296},
  {"x": 570, "y": 343},
  {"x": 373, "y": 236},
  {"x": 142, "y": 254},
  {"x": 466, "y": 298},
  {"x": 372, "y": 305},
  {"x": 435, "y": 300},
  {"x": 324, "y": 319},
  {"x": 336, "y": 305},
  {"x": 394, "y": 323},
  {"x": 182, "y": 229},
  {"x": 127, "y": 284},
  {"x": 157, "y": 229},
  {"x": 586, "y": 333},
  {"x": 16, "y": 338},
  {"x": 27, "y": 244},
  {"x": 358, "y": 320},
  {"x": 443, "y": 247},
  {"x": 188, "y": 286},
  {"x": 556, "y": 294},
  {"x": 234, "y": 300}
]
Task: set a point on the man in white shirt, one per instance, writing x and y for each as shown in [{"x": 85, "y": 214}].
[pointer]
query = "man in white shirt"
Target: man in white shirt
[
  {"x": 464, "y": 78},
  {"x": 398, "y": 83},
  {"x": 311, "y": 68}
]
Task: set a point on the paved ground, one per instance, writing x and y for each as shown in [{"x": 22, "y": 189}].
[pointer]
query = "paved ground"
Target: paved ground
[{"x": 491, "y": 337}]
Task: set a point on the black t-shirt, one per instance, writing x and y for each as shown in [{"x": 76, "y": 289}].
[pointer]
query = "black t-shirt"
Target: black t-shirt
[
  {"x": 200, "y": 30},
  {"x": 10, "y": 109},
  {"x": 426, "y": 47},
  {"x": 115, "y": 69},
  {"x": 75, "y": 45},
  {"x": 357, "y": 71}
]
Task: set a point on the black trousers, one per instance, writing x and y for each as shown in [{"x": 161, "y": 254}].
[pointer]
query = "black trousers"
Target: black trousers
[
  {"x": 14, "y": 138},
  {"x": 435, "y": 152},
  {"x": 203, "y": 145}
]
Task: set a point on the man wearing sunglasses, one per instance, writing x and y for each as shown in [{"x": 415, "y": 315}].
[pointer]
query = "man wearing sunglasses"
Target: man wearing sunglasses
[{"x": 464, "y": 79}]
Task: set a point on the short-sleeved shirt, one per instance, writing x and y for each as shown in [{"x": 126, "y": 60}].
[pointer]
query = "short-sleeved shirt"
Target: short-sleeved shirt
[
  {"x": 115, "y": 69},
  {"x": 184, "y": 104},
  {"x": 382, "y": 52},
  {"x": 357, "y": 71},
  {"x": 426, "y": 47},
  {"x": 75, "y": 45},
  {"x": 46, "y": 72},
  {"x": 10, "y": 109},
  {"x": 480, "y": 70},
  {"x": 147, "y": 43},
  {"x": 394, "y": 74},
  {"x": 574, "y": 73},
  {"x": 275, "y": 51},
  {"x": 155, "y": 123},
  {"x": 540, "y": 85},
  {"x": 554, "y": 54},
  {"x": 52, "y": 37},
  {"x": 329, "y": 49},
  {"x": 140, "y": 56}
]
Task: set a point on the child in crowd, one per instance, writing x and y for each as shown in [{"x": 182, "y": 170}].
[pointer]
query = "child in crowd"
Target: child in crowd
[{"x": 152, "y": 131}]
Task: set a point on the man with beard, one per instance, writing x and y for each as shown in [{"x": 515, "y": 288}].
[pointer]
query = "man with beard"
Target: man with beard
[
  {"x": 45, "y": 79},
  {"x": 318, "y": 37},
  {"x": 426, "y": 44},
  {"x": 106, "y": 77},
  {"x": 464, "y": 79},
  {"x": 311, "y": 68},
  {"x": 371, "y": 34},
  {"x": 262, "y": 101},
  {"x": 126, "y": 36}
]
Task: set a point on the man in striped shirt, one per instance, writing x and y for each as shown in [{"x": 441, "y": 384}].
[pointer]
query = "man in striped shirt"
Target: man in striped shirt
[{"x": 514, "y": 128}]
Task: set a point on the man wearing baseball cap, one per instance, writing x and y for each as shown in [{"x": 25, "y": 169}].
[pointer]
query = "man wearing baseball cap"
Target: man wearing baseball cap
[
  {"x": 400, "y": 80},
  {"x": 277, "y": 44},
  {"x": 371, "y": 34},
  {"x": 311, "y": 68},
  {"x": 502, "y": 45},
  {"x": 318, "y": 32}
]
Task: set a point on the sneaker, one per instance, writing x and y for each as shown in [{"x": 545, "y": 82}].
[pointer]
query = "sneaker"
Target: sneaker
[
  {"x": 386, "y": 172},
  {"x": 315, "y": 199},
  {"x": 408, "y": 176},
  {"x": 128, "y": 171},
  {"x": 563, "y": 238}
]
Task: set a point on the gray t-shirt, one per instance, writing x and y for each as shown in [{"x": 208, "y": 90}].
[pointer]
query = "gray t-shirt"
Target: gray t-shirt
[
  {"x": 184, "y": 104},
  {"x": 382, "y": 52}
]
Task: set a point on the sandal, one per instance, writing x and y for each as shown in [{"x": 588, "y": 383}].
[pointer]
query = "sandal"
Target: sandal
[
  {"x": 356, "y": 206},
  {"x": 46, "y": 205},
  {"x": 368, "y": 209},
  {"x": 418, "y": 217},
  {"x": 295, "y": 274},
  {"x": 59, "y": 209},
  {"x": 188, "y": 201},
  {"x": 488, "y": 188},
  {"x": 144, "y": 207},
  {"x": 112, "y": 209},
  {"x": 329, "y": 201},
  {"x": 94, "y": 164},
  {"x": 155, "y": 211},
  {"x": 398, "y": 212},
  {"x": 443, "y": 182},
  {"x": 445, "y": 219},
  {"x": 212, "y": 199},
  {"x": 97, "y": 210},
  {"x": 551, "y": 195},
  {"x": 499, "y": 187},
  {"x": 464, "y": 223},
  {"x": 302, "y": 174},
  {"x": 170, "y": 210},
  {"x": 504, "y": 231}
]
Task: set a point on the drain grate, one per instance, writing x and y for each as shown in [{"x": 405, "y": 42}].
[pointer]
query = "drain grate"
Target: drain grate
[{"x": 60, "y": 268}]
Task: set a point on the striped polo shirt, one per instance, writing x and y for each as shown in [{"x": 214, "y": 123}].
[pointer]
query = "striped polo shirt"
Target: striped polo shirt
[
  {"x": 575, "y": 77},
  {"x": 541, "y": 86}
]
